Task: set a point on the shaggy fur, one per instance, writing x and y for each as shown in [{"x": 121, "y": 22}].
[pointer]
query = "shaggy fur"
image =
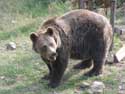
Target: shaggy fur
[{"x": 84, "y": 35}]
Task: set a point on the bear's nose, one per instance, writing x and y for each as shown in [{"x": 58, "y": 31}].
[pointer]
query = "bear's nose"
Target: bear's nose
[{"x": 54, "y": 54}]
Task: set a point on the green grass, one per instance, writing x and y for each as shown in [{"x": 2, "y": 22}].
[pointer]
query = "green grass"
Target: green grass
[{"x": 21, "y": 70}]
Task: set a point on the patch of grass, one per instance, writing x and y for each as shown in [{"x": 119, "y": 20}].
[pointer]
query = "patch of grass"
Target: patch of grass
[
  {"x": 58, "y": 8},
  {"x": 22, "y": 29},
  {"x": 25, "y": 7},
  {"x": 120, "y": 16},
  {"x": 117, "y": 42}
]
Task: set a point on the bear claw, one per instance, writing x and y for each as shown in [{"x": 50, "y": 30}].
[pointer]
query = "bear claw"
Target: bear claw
[
  {"x": 91, "y": 74},
  {"x": 53, "y": 85}
]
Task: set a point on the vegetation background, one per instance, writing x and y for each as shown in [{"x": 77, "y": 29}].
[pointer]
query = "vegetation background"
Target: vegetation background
[{"x": 21, "y": 69}]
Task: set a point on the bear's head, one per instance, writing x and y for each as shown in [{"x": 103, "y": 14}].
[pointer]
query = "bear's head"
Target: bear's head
[{"x": 46, "y": 43}]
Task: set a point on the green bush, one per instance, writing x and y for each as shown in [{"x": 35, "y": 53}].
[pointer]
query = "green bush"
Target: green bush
[{"x": 120, "y": 2}]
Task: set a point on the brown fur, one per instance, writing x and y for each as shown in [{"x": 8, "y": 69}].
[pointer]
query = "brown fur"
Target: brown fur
[{"x": 79, "y": 34}]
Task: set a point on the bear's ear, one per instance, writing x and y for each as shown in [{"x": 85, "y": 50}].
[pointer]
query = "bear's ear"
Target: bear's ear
[
  {"x": 33, "y": 37},
  {"x": 49, "y": 31}
]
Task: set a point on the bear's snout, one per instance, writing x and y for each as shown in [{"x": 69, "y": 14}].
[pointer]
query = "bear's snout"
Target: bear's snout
[{"x": 53, "y": 56}]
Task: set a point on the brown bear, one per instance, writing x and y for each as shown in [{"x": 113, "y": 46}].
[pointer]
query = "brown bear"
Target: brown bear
[{"x": 78, "y": 34}]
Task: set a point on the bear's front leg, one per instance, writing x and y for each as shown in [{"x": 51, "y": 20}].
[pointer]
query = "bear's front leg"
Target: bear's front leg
[
  {"x": 49, "y": 65},
  {"x": 48, "y": 76},
  {"x": 59, "y": 67}
]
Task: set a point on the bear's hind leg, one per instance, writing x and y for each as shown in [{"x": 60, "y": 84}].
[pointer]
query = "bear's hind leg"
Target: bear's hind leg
[
  {"x": 98, "y": 64},
  {"x": 99, "y": 53},
  {"x": 84, "y": 64}
]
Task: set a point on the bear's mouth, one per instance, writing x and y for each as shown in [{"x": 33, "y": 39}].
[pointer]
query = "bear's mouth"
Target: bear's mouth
[
  {"x": 49, "y": 59},
  {"x": 52, "y": 58}
]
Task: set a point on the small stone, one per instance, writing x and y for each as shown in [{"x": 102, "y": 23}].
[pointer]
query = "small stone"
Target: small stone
[
  {"x": 97, "y": 87},
  {"x": 77, "y": 91},
  {"x": 122, "y": 87},
  {"x": 85, "y": 85},
  {"x": 11, "y": 46},
  {"x": 13, "y": 21},
  {"x": 2, "y": 77},
  {"x": 54, "y": 92},
  {"x": 110, "y": 57}
]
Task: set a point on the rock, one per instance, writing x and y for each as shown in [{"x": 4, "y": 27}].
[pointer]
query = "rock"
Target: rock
[
  {"x": 11, "y": 46},
  {"x": 54, "y": 92},
  {"x": 110, "y": 57},
  {"x": 122, "y": 87},
  {"x": 97, "y": 87},
  {"x": 119, "y": 55},
  {"x": 84, "y": 85},
  {"x": 76, "y": 91},
  {"x": 2, "y": 77},
  {"x": 13, "y": 22}
]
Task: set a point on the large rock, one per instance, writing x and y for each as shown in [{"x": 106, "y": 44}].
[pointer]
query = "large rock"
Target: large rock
[
  {"x": 97, "y": 87},
  {"x": 11, "y": 46}
]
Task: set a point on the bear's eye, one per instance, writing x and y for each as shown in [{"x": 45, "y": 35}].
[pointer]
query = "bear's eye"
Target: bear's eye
[{"x": 44, "y": 48}]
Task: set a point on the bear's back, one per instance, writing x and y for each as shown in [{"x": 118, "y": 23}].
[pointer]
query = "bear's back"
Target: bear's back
[
  {"x": 83, "y": 16},
  {"x": 85, "y": 29}
]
